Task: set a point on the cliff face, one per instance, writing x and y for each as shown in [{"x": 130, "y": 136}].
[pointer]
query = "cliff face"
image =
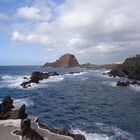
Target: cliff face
[{"x": 66, "y": 60}]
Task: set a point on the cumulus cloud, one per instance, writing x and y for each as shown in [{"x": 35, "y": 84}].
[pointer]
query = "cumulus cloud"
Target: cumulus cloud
[{"x": 96, "y": 31}]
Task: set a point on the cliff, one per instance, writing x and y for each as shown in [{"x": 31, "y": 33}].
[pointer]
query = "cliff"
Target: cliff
[{"x": 66, "y": 60}]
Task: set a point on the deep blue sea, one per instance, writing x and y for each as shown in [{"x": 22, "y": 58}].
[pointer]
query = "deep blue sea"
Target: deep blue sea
[{"x": 87, "y": 103}]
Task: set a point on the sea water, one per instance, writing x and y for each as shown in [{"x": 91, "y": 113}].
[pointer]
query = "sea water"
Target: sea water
[{"x": 87, "y": 102}]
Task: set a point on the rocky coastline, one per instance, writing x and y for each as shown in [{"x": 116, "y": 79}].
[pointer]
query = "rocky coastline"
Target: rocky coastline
[
  {"x": 33, "y": 129},
  {"x": 130, "y": 69}
]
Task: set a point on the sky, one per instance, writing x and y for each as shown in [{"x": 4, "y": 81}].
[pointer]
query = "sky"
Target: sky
[{"x": 33, "y": 32}]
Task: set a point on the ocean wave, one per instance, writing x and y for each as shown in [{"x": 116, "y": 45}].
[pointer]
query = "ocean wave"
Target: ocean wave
[
  {"x": 110, "y": 83},
  {"x": 135, "y": 87},
  {"x": 77, "y": 73},
  {"x": 19, "y": 102},
  {"x": 109, "y": 132},
  {"x": 117, "y": 132},
  {"x": 92, "y": 136},
  {"x": 13, "y": 81}
]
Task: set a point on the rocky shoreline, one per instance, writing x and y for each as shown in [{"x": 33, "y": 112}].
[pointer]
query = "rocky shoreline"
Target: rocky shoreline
[
  {"x": 130, "y": 69},
  {"x": 28, "y": 128}
]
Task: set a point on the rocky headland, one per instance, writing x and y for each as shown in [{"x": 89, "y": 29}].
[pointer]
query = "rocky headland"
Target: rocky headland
[
  {"x": 16, "y": 124},
  {"x": 129, "y": 69},
  {"x": 66, "y": 60}
]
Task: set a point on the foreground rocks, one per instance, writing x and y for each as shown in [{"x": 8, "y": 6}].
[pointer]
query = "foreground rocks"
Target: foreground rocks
[
  {"x": 7, "y": 112},
  {"x": 62, "y": 131},
  {"x": 66, "y": 60},
  {"x": 36, "y": 77},
  {"x": 27, "y": 129}
]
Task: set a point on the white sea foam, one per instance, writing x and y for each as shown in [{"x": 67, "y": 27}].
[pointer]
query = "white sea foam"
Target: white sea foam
[
  {"x": 19, "y": 102},
  {"x": 13, "y": 81},
  {"x": 92, "y": 136},
  {"x": 53, "y": 79},
  {"x": 135, "y": 87},
  {"x": 110, "y": 83},
  {"x": 116, "y": 133}
]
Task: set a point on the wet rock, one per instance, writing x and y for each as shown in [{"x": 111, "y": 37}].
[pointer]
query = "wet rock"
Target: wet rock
[
  {"x": 36, "y": 77},
  {"x": 6, "y": 105},
  {"x": 116, "y": 72},
  {"x": 123, "y": 83}
]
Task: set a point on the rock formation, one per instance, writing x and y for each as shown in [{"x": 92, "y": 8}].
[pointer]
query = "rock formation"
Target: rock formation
[
  {"x": 36, "y": 77},
  {"x": 66, "y": 60},
  {"x": 7, "y": 112},
  {"x": 129, "y": 69}
]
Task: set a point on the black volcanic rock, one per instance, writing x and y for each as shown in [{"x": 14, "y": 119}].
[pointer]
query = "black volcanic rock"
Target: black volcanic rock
[
  {"x": 36, "y": 77},
  {"x": 7, "y": 112},
  {"x": 66, "y": 60},
  {"x": 123, "y": 83},
  {"x": 130, "y": 68},
  {"x": 6, "y": 105}
]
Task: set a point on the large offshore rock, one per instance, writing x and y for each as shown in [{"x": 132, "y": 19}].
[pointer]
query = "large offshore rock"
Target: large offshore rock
[
  {"x": 36, "y": 77},
  {"x": 66, "y": 60}
]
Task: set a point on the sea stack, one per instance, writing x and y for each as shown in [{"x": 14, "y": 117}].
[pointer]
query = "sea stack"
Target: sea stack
[{"x": 66, "y": 60}]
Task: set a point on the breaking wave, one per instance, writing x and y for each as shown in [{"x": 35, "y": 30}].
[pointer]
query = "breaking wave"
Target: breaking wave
[
  {"x": 19, "y": 102},
  {"x": 110, "y": 132}
]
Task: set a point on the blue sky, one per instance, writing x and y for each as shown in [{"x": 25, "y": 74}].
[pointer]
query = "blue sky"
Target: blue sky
[{"x": 33, "y": 32}]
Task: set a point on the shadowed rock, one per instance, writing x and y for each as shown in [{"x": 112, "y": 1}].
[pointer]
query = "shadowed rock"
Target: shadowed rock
[
  {"x": 6, "y": 105},
  {"x": 27, "y": 131},
  {"x": 36, "y": 77}
]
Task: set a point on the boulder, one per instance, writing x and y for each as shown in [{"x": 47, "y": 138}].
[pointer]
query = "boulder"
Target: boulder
[
  {"x": 6, "y": 105},
  {"x": 116, "y": 72},
  {"x": 66, "y": 60},
  {"x": 36, "y": 77},
  {"x": 123, "y": 83}
]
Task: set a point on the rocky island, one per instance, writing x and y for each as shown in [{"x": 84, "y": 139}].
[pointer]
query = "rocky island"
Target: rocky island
[{"x": 66, "y": 60}]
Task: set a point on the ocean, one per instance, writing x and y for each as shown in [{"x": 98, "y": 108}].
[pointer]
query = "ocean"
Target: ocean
[{"x": 87, "y": 102}]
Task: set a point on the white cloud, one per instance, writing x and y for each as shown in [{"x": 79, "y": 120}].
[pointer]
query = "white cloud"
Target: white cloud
[
  {"x": 105, "y": 29},
  {"x": 32, "y": 13}
]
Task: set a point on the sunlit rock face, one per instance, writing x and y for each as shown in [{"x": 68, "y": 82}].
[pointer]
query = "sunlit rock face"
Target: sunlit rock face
[{"x": 66, "y": 60}]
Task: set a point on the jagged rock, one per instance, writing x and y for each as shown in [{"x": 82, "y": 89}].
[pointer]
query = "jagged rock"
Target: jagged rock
[
  {"x": 36, "y": 77},
  {"x": 6, "y": 105},
  {"x": 123, "y": 83},
  {"x": 66, "y": 60},
  {"x": 116, "y": 72}
]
